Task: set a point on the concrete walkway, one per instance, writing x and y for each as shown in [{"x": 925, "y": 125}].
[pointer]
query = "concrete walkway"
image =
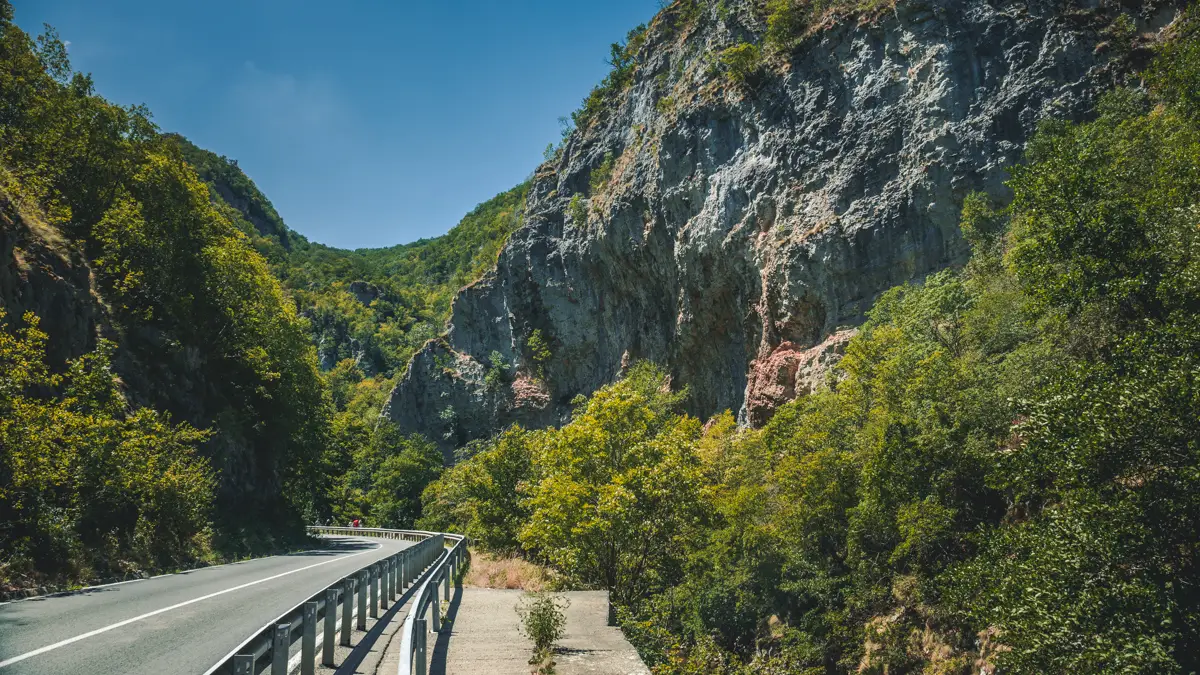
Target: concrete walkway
[{"x": 484, "y": 638}]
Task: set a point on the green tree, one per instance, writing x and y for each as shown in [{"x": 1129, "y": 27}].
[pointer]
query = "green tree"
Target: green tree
[
  {"x": 484, "y": 496},
  {"x": 399, "y": 481},
  {"x": 617, "y": 487},
  {"x": 88, "y": 486}
]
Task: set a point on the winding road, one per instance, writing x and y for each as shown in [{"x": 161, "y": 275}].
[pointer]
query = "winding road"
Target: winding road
[{"x": 178, "y": 624}]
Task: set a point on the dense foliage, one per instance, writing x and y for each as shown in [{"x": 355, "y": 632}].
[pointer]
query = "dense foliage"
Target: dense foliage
[
  {"x": 86, "y": 486},
  {"x": 201, "y": 329},
  {"x": 213, "y": 306},
  {"x": 1002, "y": 474},
  {"x": 375, "y": 306}
]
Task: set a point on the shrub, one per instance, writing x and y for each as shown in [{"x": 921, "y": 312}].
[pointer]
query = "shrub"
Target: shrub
[
  {"x": 786, "y": 21},
  {"x": 741, "y": 61},
  {"x": 543, "y": 620},
  {"x": 88, "y": 487},
  {"x": 539, "y": 351},
  {"x": 497, "y": 374},
  {"x": 601, "y": 175},
  {"x": 577, "y": 211}
]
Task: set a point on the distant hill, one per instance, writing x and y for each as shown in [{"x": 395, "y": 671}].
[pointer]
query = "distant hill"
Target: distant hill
[{"x": 374, "y": 306}]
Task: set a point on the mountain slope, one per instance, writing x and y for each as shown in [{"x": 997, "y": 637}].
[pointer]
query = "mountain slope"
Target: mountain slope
[
  {"x": 141, "y": 311},
  {"x": 162, "y": 399},
  {"x": 743, "y": 186},
  {"x": 373, "y": 306}
]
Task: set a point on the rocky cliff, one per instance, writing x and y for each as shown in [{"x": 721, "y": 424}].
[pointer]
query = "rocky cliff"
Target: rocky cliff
[
  {"x": 736, "y": 227},
  {"x": 41, "y": 272}
]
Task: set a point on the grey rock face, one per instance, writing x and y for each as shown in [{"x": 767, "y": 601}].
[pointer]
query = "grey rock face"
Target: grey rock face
[
  {"x": 742, "y": 218},
  {"x": 40, "y": 273}
]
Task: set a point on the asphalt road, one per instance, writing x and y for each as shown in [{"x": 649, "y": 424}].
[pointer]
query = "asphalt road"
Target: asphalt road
[{"x": 196, "y": 617}]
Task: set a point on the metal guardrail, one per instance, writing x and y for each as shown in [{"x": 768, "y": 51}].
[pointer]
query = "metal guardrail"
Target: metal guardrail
[
  {"x": 383, "y": 581},
  {"x": 414, "y": 659}
]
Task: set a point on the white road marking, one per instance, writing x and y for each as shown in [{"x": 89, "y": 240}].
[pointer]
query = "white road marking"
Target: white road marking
[
  {"x": 126, "y": 622},
  {"x": 57, "y": 594}
]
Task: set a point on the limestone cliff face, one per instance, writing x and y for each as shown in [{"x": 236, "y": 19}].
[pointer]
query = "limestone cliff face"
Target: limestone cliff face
[{"x": 745, "y": 229}]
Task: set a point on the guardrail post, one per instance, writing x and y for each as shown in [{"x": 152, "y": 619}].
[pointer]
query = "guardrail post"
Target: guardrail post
[
  {"x": 279, "y": 649},
  {"x": 446, "y": 583},
  {"x": 243, "y": 664},
  {"x": 308, "y": 642},
  {"x": 386, "y": 583},
  {"x": 363, "y": 580},
  {"x": 435, "y": 610},
  {"x": 403, "y": 569},
  {"x": 374, "y": 572},
  {"x": 419, "y": 635},
  {"x": 347, "y": 610},
  {"x": 331, "y": 598}
]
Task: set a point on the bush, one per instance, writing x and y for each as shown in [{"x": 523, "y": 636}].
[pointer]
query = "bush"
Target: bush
[
  {"x": 577, "y": 210},
  {"x": 543, "y": 620},
  {"x": 741, "y": 61},
  {"x": 538, "y": 348},
  {"x": 786, "y": 22},
  {"x": 497, "y": 373},
  {"x": 88, "y": 488},
  {"x": 601, "y": 175}
]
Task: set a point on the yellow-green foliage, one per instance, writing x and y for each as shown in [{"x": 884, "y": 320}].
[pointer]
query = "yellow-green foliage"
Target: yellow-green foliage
[
  {"x": 605, "y": 499},
  {"x": 741, "y": 61},
  {"x": 599, "y": 178},
  {"x": 87, "y": 486},
  {"x": 789, "y": 20},
  {"x": 1002, "y": 473},
  {"x": 577, "y": 211},
  {"x": 538, "y": 349},
  {"x": 203, "y": 327}
]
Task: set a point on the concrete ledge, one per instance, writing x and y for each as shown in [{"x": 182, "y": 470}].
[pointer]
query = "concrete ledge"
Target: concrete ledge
[{"x": 484, "y": 637}]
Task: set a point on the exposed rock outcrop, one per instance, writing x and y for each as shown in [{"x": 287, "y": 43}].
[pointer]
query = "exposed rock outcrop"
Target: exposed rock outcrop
[
  {"x": 790, "y": 370},
  {"x": 41, "y": 273},
  {"x": 745, "y": 227}
]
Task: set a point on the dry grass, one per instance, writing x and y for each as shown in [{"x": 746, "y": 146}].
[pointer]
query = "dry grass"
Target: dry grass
[
  {"x": 18, "y": 208},
  {"x": 488, "y": 571}
]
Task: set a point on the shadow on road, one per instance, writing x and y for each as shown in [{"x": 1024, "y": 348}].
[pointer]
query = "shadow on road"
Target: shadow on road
[
  {"x": 338, "y": 546},
  {"x": 572, "y": 651},
  {"x": 65, "y": 594}
]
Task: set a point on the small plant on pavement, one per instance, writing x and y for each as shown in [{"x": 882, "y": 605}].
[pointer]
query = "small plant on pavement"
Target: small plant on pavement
[{"x": 543, "y": 622}]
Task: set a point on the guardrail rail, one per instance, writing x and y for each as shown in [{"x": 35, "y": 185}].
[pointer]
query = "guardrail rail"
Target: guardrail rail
[
  {"x": 375, "y": 586},
  {"x": 414, "y": 659}
]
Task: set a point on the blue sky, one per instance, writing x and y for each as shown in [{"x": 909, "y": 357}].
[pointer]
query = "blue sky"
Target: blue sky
[{"x": 366, "y": 122}]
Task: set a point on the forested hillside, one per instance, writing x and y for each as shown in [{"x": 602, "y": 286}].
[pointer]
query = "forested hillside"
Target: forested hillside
[
  {"x": 367, "y": 312},
  {"x": 999, "y": 476},
  {"x": 182, "y": 377},
  {"x": 159, "y": 320},
  {"x": 375, "y": 306},
  {"x": 961, "y": 434}
]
